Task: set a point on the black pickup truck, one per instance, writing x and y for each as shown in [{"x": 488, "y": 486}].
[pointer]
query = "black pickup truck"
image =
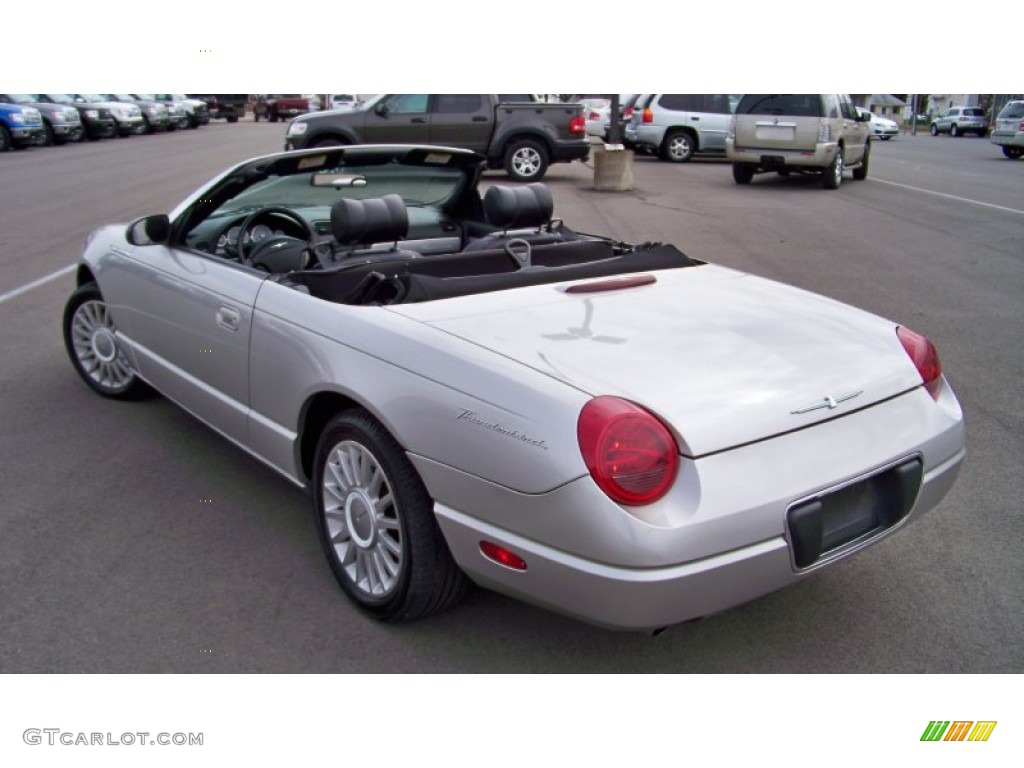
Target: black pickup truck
[{"x": 521, "y": 137}]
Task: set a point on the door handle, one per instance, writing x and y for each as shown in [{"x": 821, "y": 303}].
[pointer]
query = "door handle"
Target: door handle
[
  {"x": 228, "y": 317},
  {"x": 418, "y": 120},
  {"x": 479, "y": 119}
]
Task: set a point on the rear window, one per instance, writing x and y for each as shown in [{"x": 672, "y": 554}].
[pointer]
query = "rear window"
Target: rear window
[
  {"x": 795, "y": 104},
  {"x": 974, "y": 112},
  {"x": 1013, "y": 110}
]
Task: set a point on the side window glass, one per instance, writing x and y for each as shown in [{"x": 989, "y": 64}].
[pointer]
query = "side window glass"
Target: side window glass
[
  {"x": 451, "y": 103},
  {"x": 717, "y": 104},
  {"x": 680, "y": 102},
  {"x": 847, "y": 108},
  {"x": 408, "y": 103}
]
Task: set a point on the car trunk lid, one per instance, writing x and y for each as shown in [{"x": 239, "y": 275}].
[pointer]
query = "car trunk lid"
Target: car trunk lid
[{"x": 723, "y": 357}]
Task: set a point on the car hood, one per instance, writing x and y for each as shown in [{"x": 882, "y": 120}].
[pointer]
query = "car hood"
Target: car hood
[{"x": 723, "y": 357}]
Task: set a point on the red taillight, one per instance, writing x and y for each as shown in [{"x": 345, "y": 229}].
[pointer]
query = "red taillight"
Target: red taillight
[
  {"x": 628, "y": 113},
  {"x": 1021, "y": 126},
  {"x": 577, "y": 125},
  {"x": 648, "y": 116},
  {"x": 925, "y": 357},
  {"x": 631, "y": 455},
  {"x": 502, "y": 556},
  {"x": 593, "y": 116}
]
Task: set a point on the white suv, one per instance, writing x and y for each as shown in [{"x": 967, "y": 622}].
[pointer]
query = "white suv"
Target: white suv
[{"x": 819, "y": 133}]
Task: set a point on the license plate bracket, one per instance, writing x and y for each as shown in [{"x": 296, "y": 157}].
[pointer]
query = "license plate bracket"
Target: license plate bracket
[{"x": 839, "y": 519}]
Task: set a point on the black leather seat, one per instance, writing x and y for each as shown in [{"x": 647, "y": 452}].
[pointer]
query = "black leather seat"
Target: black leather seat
[
  {"x": 361, "y": 227},
  {"x": 522, "y": 213}
]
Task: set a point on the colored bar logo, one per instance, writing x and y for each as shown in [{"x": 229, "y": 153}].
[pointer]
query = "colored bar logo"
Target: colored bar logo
[{"x": 958, "y": 730}]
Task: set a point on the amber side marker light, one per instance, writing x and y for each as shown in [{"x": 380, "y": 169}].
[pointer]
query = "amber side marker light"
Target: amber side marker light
[{"x": 502, "y": 556}]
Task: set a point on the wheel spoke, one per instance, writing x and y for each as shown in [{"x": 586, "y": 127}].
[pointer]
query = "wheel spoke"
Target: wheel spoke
[{"x": 337, "y": 473}]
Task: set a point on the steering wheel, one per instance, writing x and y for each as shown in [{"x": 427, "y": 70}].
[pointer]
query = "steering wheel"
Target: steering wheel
[{"x": 248, "y": 248}]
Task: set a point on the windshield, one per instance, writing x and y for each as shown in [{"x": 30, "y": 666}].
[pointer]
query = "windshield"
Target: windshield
[
  {"x": 23, "y": 98},
  {"x": 145, "y": 96},
  {"x": 92, "y": 98},
  {"x": 122, "y": 97},
  {"x": 56, "y": 98},
  {"x": 430, "y": 182},
  {"x": 417, "y": 186}
]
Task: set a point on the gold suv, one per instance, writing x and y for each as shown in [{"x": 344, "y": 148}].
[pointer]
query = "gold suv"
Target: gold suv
[{"x": 819, "y": 133}]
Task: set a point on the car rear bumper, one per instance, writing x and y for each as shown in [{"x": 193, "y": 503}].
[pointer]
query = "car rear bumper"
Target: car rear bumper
[
  {"x": 820, "y": 157},
  {"x": 721, "y": 542},
  {"x": 1008, "y": 138},
  {"x": 645, "y": 135},
  {"x": 567, "y": 151}
]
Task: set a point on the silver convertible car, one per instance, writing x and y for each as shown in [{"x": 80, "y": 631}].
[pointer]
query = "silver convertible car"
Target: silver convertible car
[{"x": 475, "y": 393}]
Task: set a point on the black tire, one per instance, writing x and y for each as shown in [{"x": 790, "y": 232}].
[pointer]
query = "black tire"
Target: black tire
[
  {"x": 5, "y": 139},
  {"x": 526, "y": 160},
  {"x": 255, "y": 117},
  {"x": 232, "y": 118},
  {"x": 49, "y": 138},
  {"x": 953, "y": 130},
  {"x": 677, "y": 147},
  {"x": 742, "y": 173},
  {"x": 376, "y": 524},
  {"x": 935, "y": 130},
  {"x": 861, "y": 171},
  {"x": 274, "y": 117},
  {"x": 832, "y": 176},
  {"x": 1013, "y": 152},
  {"x": 89, "y": 337}
]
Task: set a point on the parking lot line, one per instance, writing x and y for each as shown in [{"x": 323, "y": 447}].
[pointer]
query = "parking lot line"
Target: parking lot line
[
  {"x": 951, "y": 197},
  {"x": 36, "y": 283}
]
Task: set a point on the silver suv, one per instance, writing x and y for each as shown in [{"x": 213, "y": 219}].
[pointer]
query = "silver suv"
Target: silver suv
[
  {"x": 1008, "y": 132},
  {"x": 957, "y": 121},
  {"x": 678, "y": 125},
  {"x": 819, "y": 133}
]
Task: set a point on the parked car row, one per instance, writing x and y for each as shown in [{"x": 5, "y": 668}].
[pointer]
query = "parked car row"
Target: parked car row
[{"x": 42, "y": 119}]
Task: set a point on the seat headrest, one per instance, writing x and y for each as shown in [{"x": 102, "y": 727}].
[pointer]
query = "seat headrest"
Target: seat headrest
[
  {"x": 517, "y": 207},
  {"x": 374, "y": 220}
]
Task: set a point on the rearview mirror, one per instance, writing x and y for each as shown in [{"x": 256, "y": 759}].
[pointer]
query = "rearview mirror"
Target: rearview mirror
[
  {"x": 149, "y": 230},
  {"x": 381, "y": 109}
]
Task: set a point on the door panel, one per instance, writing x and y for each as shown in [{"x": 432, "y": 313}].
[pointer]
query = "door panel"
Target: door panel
[
  {"x": 407, "y": 120},
  {"x": 190, "y": 321}
]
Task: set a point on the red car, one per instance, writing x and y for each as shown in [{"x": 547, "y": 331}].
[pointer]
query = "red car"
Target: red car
[{"x": 282, "y": 106}]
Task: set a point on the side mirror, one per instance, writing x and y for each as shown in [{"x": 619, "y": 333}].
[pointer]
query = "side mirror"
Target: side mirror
[
  {"x": 149, "y": 230},
  {"x": 381, "y": 109}
]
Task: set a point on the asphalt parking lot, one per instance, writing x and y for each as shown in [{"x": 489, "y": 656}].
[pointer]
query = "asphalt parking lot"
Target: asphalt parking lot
[{"x": 133, "y": 539}]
